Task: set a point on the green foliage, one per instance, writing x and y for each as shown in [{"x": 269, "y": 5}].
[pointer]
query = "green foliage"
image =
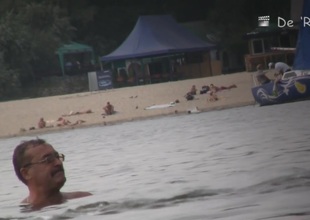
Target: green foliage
[
  {"x": 49, "y": 27},
  {"x": 228, "y": 23},
  {"x": 32, "y": 30},
  {"x": 9, "y": 81},
  {"x": 30, "y": 36},
  {"x": 230, "y": 20},
  {"x": 13, "y": 43}
]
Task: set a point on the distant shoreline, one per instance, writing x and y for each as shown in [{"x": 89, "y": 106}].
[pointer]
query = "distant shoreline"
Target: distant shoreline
[
  {"x": 129, "y": 102},
  {"x": 37, "y": 132}
]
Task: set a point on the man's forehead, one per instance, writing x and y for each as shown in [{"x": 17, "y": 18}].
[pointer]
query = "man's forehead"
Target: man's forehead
[{"x": 40, "y": 150}]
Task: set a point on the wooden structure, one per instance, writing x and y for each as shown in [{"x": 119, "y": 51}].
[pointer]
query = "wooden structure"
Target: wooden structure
[
  {"x": 270, "y": 44},
  {"x": 252, "y": 60}
]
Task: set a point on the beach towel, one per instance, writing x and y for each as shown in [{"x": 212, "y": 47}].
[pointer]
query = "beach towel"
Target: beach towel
[
  {"x": 194, "y": 110},
  {"x": 171, "y": 104}
]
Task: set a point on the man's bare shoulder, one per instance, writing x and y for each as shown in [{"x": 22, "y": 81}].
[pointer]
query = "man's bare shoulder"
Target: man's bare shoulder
[{"x": 75, "y": 195}]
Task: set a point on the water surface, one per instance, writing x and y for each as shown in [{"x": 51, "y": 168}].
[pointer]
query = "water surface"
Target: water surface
[{"x": 241, "y": 163}]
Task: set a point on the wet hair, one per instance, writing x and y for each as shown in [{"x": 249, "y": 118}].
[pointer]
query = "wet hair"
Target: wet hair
[{"x": 19, "y": 156}]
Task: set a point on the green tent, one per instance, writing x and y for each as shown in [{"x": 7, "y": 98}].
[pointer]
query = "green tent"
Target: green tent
[{"x": 73, "y": 48}]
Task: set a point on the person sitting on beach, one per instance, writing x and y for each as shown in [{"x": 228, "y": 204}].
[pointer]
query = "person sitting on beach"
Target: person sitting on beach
[
  {"x": 193, "y": 90},
  {"x": 40, "y": 167},
  {"x": 41, "y": 123},
  {"x": 189, "y": 96},
  {"x": 214, "y": 88},
  {"x": 109, "y": 109},
  {"x": 260, "y": 75},
  {"x": 204, "y": 89},
  {"x": 212, "y": 97}
]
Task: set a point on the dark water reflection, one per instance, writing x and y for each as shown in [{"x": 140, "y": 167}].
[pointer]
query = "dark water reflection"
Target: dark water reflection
[{"x": 243, "y": 163}]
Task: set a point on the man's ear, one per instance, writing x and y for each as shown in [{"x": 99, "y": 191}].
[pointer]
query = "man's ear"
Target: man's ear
[{"x": 25, "y": 173}]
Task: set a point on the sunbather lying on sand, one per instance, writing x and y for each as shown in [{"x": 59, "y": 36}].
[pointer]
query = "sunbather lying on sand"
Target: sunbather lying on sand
[
  {"x": 78, "y": 122},
  {"x": 214, "y": 88},
  {"x": 77, "y": 113},
  {"x": 62, "y": 122}
]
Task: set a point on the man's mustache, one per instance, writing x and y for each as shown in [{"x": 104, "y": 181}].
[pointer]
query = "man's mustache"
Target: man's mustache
[{"x": 59, "y": 169}]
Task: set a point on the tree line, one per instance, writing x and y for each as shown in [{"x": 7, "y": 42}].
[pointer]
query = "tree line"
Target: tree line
[{"x": 32, "y": 30}]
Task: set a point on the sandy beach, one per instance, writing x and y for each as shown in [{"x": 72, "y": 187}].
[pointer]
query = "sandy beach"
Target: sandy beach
[{"x": 129, "y": 102}]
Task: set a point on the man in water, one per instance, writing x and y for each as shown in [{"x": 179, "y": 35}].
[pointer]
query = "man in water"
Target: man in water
[{"x": 39, "y": 166}]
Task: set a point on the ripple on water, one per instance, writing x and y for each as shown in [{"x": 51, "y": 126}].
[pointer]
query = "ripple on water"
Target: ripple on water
[{"x": 242, "y": 163}]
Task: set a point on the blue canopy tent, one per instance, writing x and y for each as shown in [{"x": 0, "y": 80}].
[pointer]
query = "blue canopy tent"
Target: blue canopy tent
[
  {"x": 302, "y": 57},
  {"x": 157, "y": 35}
]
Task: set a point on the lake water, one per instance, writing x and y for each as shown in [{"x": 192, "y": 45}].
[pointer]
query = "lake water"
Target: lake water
[{"x": 241, "y": 163}]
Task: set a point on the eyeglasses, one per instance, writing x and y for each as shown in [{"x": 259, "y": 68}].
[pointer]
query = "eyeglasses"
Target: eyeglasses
[{"x": 48, "y": 159}]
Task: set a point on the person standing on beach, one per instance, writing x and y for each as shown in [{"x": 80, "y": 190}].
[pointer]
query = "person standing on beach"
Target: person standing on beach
[{"x": 40, "y": 167}]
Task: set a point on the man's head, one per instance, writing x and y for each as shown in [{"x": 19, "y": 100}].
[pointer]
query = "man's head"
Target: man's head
[{"x": 38, "y": 165}]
